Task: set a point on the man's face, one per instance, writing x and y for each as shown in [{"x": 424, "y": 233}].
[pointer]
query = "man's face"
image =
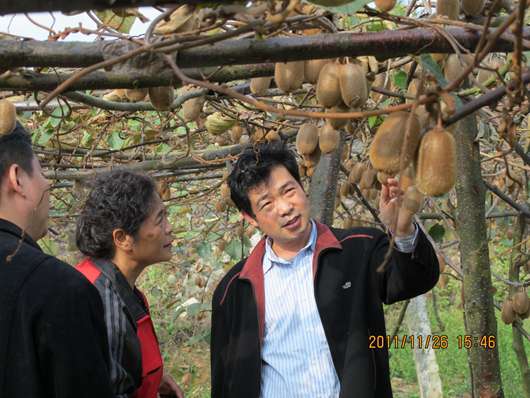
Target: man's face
[
  {"x": 281, "y": 208},
  {"x": 38, "y": 195}
]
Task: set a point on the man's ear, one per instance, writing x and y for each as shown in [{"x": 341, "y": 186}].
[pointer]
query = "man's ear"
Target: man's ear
[
  {"x": 14, "y": 178},
  {"x": 122, "y": 240},
  {"x": 248, "y": 218}
]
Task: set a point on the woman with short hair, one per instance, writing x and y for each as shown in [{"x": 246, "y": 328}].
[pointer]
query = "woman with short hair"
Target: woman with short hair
[{"x": 123, "y": 229}]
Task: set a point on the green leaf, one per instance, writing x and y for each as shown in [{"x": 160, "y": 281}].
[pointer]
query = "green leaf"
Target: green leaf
[
  {"x": 341, "y": 6},
  {"x": 114, "y": 141},
  {"x": 437, "y": 232},
  {"x": 45, "y": 136},
  {"x": 375, "y": 26},
  {"x": 430, "y": 65},
  {"x": 204, "y": 250},
  {"x": 87, "y": 139},
  {"x": 400, "y": 79},
  {"x": 373, "y": 121},
  {"x": 162, "y": 149},
  {"x": 116, "y": 22}
]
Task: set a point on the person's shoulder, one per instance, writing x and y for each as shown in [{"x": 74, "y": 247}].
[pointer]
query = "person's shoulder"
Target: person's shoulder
[
  {"x": 355, "y": 234},
  {"x": 62, "y": 277},
  {"x": 226, "y": 281}
]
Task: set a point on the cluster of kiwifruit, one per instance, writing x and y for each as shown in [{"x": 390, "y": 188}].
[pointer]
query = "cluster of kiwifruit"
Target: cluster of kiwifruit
[
  {"x": 365, "y": 177},
  {"x": 451, "y": 8},
  {"x": 8, "y": 117},
  {"x": 433, "y": 156},
  {"x": 515, "y": 306}
]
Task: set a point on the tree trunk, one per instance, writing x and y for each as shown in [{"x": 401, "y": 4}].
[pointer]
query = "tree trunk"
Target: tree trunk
[
  {"x": 479, "y": 316},
  {"x": 518, "y": 343},
  {"x": 427, "y": 370},
  {"x": 323, "y": 187}
]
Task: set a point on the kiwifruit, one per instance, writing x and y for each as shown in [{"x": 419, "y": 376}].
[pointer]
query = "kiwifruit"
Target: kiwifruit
[
  {"x": 521, "y": 302},
  {"x": 441, "y": 262},
  {"x": 272, "y": 135},
  {"x": 337, "y": 123},
  {"x": 379, "y": 82},
  {"x": 312, "y": 69},
  {"x": 289, "y": 75},
  {"x": 328, "y": 138},
  {"x": 353, "y": 85},
  {"x": 225, "y": 191},
  {"x": 307, "y": 139},
  {"x": 436, "y": 168},
  {"x": 301, "y": 170},
  {"x": 8, "y": 117},
  {"x": 472, "y": 7},
  {"x": 454, "y": 65},
  {"x": 244, "y": 140},
  {"x": 406, "y": 178},
  {"x": 526, "y": 315},
  {"x": 345, "y": 189},
  {"x": 385, "y": 150},
  {"x": 115, "y": 95},
  {"x": 235, "y": 133},
  {"x": 313, "y": 158},
  {"x": 412, "y": 200},
  {"x": 161, "y": 97},
  {"x": 367, "y": 178},
  {"x": 356, "y": 173},
  {"x": 217, "y": 123},
  {"x": 382, "y": 177},
  {"x": 191, "y": 109},
  {"x": 260, "y": 85},
  {"x": 448, "y": 8},
  {"x": 385, "y": 5},
  {"x": 181, "y": 20},
  {"x": 136, "y": 95},
  {"x": 328, "y": 86},
  {"x": 507, "y": 313},
  {"x": 310, "y": 171}
]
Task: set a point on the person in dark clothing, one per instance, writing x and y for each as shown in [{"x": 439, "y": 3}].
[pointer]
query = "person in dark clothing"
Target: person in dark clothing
[
  {"x": 295, "y": 318},
  {"x": 123, "y": 229},
  {"x": 52, "y": 333}
]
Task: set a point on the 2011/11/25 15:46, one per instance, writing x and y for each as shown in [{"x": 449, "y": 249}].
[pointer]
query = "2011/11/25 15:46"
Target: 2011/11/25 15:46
[{"x": 431, "y": 341}]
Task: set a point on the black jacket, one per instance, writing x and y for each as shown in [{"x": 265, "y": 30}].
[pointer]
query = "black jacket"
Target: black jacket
[
  {"x": 349, "y": 315},
  {"x": 52, "y": 332}
]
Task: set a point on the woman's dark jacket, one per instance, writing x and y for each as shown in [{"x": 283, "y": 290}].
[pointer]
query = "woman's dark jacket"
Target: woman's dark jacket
[
  {"x": 52, "y": 332},
  {"x": 349, "y": 293}
]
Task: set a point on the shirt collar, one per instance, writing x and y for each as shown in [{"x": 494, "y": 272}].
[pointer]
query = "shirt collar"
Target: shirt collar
[{"x": 270, "y": 257}]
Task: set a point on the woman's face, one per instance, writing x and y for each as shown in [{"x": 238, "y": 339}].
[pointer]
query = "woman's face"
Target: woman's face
[{"x": 153, "y": 241}]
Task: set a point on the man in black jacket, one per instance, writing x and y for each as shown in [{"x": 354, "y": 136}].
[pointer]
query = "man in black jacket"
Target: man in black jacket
[
  {"x": 297, "y": 317},
  {"x": 52, "y": 333}
]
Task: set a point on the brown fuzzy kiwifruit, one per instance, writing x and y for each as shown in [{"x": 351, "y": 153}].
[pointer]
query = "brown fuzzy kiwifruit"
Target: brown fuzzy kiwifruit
[
  {"x": 337, "y": 123},
  {"x": 356, "y": 173},
  {"x": 235, "y": 133},
  {"x": 436, "y": 167},
  {"x": 521, "y": 302},
  {"x": 353, "y": 85},
  {"x": 382, "y": 177},
  {"x": 441, "y": 262},
  {"x": 385, "y": 5},
  {"x": 406, "y": 178},
  {"x": 191, "y": 109},
  {"x": 328, "y": 138},
  {"x": 289, "y": 75},
  {"x": 260, "y": 85},
  {"x": 412, "y": 200},
  {"x": 345, "y": 189},
  {"x": 367, "y": 178},
  {"x": 161, "y": 97},
  {"x": 472, "y": 7},
  {"x": 310, "y": 171},
  {"x": 135, "y": 95},
  {"x": 8, "y": 117},
  {"x": 385, "y": 150},
  {"x": 328, "y": 87},
  {"x": 454, "y": 65},
  {"x": 307, "y": 139},
  {"x": 312, "y": 69},
  {"x": 507, "y": 313},
  {"x": 448, "y": 8},
  {"x": 313, "y": 158},
  {"x": 272, "y": 135}
]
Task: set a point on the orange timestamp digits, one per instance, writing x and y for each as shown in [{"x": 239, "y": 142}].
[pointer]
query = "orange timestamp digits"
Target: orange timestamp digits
[
  {"x": 486, "y": 342},
  {"x": 433, "y": 341}
]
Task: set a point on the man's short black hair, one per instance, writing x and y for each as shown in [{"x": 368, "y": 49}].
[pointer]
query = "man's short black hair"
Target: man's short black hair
[
  {"x": 15, "y": 148},
  {"x": 254, "y": 167},
  {"x": 119, "y": 199}
]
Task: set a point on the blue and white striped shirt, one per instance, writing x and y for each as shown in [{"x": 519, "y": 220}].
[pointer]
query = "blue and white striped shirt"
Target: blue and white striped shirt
[{"x": 296, "y": 359}]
